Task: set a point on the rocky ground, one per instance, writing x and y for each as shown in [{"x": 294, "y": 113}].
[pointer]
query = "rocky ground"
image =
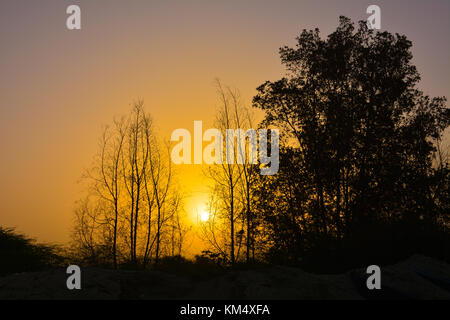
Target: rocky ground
[{"x": 416, "y": 278}]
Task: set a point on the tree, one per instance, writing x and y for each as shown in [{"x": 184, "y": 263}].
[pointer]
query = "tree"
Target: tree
[
  {"x": 134, "y": 162},
  {"x": 110, "y": 172},
  {"x": 161, "y": 180},
  {"x": 232, "y": 180},
  {"x": 129, "y": 183},
  {"x": 361, "y": 130}
]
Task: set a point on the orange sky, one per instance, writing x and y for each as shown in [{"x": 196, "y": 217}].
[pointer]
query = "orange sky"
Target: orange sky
[{"x": 58, "y": 87}]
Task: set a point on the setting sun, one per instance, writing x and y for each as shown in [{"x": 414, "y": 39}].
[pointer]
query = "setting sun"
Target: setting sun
[{"x": 204, "y": 216}]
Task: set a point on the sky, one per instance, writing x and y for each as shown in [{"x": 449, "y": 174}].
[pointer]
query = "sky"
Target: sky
[{"x": 59, "y": 87}]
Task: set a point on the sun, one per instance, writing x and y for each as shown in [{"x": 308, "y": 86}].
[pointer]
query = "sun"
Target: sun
[{"x": 204, "y": 216}]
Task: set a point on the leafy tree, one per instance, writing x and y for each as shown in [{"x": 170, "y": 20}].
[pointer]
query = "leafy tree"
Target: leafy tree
[{"x": 362, "y": 135}]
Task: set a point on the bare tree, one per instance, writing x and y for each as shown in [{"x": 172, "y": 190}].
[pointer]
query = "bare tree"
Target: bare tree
[
  {"x": 214, "y": 231},
  {"x": 105, "y": 185},
  {"x": 161, "y": 180},
  {"x": 110, "y": 172},
  {"x": 232, "y": 178},
  {"x": 178, "y": 228},
  {"x": 132, "y": 191},
  {"x": 134, "y": 163}
]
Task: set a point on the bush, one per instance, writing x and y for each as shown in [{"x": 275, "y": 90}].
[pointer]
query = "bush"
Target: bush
[
  {"x": 19, "y": 253},
  {"x": 378, "y": 242}
]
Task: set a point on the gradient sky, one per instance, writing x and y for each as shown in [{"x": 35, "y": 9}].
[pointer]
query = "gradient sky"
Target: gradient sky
[{"x": 59, "y": 87}]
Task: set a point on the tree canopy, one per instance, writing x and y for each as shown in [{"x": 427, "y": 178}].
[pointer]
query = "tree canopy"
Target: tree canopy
[{"x": 359, "y": 139}]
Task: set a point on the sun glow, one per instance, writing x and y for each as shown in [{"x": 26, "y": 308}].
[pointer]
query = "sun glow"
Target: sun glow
[{"x": 204, "y": 216}]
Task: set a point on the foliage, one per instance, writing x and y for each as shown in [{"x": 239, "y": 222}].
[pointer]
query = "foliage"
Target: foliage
[
  {"x": 361, "y": 139},
  {"x": 19, "y": 253}
]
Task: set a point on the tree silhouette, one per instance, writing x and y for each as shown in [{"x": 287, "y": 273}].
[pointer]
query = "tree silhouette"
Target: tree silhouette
[
  {"x": 131, "y": 199},
  {"x": 360, "y": 137},
  {"x": 19, "y": 253},
  {"x": 232, "y": 182}
]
